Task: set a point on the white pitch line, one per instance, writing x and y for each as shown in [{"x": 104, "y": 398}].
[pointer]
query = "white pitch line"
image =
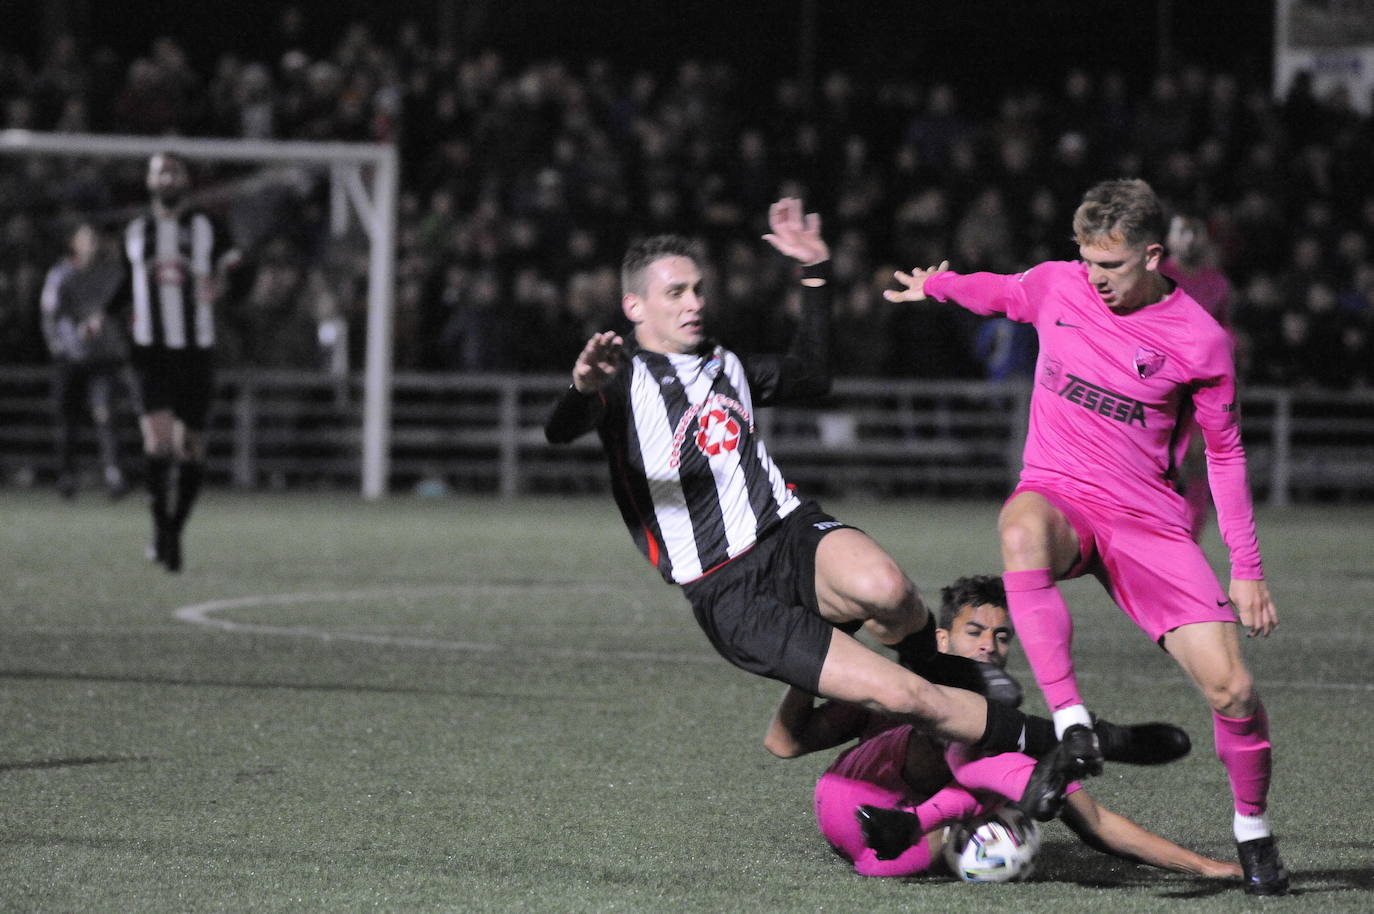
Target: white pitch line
[{"x": 203, "y": 614}]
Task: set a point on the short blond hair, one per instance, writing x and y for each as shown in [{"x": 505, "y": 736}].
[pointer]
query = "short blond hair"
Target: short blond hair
[{"x": 1124, "y": 210}]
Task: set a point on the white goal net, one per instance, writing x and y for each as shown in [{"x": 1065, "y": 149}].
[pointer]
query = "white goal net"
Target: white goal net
[{"x": 349, "y": 189}]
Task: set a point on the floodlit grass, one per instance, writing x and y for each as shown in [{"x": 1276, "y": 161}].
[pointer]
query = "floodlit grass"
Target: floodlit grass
[{"x": 477, "y": 705}]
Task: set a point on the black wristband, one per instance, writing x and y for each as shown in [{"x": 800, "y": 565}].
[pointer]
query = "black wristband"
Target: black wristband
[{"x": 816, "y": 270}]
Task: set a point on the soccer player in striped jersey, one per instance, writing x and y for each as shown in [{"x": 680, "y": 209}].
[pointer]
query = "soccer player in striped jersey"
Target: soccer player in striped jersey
[
  {"x": 777, "y": 585},
  {"x": 1127, "y": 360},
  {"x": 177, "y": 258}
]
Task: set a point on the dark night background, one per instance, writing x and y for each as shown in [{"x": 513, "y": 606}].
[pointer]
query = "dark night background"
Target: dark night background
[{"x": 991, "y": 43}]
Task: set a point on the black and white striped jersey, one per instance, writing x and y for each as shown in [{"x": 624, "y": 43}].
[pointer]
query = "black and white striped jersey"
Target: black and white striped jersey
[
  {"x": 171, "y": 264},
  {"x": 690, "y": 472}
]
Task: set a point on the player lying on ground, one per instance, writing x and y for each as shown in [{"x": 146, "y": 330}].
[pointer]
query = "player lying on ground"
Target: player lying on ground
[{"x": 902, "y": 786}]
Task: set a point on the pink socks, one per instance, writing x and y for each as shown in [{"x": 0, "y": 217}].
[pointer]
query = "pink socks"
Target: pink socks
[
  {"x": 1045, "y": 629},
  {"x": 1244, "y": 750}
]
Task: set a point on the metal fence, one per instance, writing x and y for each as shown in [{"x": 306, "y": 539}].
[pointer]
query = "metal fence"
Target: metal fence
[{"x": 484, "y": 433}]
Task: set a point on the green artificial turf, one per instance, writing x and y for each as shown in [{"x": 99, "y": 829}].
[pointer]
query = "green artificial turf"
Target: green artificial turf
[{"x": 465, "y": 704}]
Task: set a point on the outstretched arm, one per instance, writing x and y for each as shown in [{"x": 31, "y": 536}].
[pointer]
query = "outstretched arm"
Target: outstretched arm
[
  {"x": 805, "y": 371},
  {"x": 800, "y": 726},
  {"x": 1111, "y": 833},
  {"x": 577, "y": 411},
  {"x": 914, "y": 283},
  {"x": 598, "y": 362},
  {"x": 796, "y": 233}
]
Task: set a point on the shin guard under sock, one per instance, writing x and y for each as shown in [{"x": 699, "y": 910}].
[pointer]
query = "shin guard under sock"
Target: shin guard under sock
[
  {"x": 1006, "y": 774},
  {"x": 1244, "y": 749},
  {"x": 1045, "y": 629},
  {"x": 948, "y": 805},
  {"x": 1004, "y": 730}
]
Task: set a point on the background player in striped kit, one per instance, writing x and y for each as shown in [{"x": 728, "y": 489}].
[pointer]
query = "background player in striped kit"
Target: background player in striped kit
[
  {"x": 177, "y": 258},
  {"x": 1127, "y": 360},
  {"x": 777, "y": 585}
]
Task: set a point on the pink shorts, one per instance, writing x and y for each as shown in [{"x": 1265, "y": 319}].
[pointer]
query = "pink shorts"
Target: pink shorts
[{"x": 1155, "y": 572}]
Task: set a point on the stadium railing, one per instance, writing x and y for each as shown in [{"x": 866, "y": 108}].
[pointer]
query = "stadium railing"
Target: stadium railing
[{"x": 289, "y": 429}]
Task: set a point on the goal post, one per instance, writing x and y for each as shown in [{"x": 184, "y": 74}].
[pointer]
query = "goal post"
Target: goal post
[{"x": 372, "y": 202}]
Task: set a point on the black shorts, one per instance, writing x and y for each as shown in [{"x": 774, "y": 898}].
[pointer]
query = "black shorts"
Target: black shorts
[
  {"x": 760, "y": 611},
  {"x": 179, "y": 380}
]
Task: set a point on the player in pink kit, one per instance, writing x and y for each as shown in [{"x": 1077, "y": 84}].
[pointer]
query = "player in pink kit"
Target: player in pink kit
[
  {"x": 1126, "y": 361},
  {"x": 883, "y": 803}
]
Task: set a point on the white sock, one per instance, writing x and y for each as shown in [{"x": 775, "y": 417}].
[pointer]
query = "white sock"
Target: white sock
[
  {"x": 1248, "y": 828},
  {"x": 1065, "y": 718}
]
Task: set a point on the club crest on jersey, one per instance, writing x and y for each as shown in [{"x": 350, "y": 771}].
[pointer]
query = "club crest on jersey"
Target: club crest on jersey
[{"x": 1147, "y": 362}]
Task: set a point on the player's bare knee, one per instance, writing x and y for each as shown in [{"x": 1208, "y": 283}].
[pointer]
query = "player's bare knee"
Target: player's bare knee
[
  {"x": 1232, "y": 695},
  {"x": 1020, "y": 539},
  {"x": 885, "y": 591}
]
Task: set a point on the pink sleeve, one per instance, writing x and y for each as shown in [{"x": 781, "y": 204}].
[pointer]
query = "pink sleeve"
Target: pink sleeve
[
  {"x": 1231, "y": 494},
  {"x": 984, "y": 293},
  {"x": 1214, "y": 388}
]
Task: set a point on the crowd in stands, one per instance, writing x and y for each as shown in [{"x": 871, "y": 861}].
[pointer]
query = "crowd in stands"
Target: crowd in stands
[{"x": 522, "y": 184}]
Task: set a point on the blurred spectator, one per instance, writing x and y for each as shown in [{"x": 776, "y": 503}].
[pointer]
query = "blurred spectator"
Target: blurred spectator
[
  {"x": 1190, "y": 261},
  {"x": 522, "y": 181},
  {"x": 90, "y": 355}
]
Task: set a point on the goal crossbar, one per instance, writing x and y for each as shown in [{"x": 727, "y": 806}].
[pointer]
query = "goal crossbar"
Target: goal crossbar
[{"x": 374, "y": 206}]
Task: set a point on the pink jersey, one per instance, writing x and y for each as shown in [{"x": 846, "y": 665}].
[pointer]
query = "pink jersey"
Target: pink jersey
[
  {"x": 877, "y": 760},
  {"x": 1111, "y": 391}
]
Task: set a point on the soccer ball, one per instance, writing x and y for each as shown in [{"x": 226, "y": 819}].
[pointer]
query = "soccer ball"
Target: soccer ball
[{"x": 997, "y": 847}]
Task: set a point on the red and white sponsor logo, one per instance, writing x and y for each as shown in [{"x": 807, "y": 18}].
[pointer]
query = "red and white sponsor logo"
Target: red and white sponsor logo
[{"x": 717, "y": 432}]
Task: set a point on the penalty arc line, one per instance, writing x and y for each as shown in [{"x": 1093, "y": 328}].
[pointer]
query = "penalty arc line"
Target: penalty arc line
[{"x": 203, "y": 614}]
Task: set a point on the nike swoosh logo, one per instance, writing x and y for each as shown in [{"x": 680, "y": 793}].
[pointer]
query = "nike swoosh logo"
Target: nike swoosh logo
[
  {"x": 1061, "y": 323},
  {"x": 1222, "y": 604}
]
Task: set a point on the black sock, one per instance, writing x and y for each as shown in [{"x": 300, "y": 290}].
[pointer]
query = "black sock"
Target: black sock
[
  {"x": 159, "y": 468},
  {"x": 189, "y": 477},
  {"x": 951, "y": 670},
  {"x": 919, "y": 653},
  {"x": 918, "y": 647},
  {"x": 1040, "y": 738},
  {"x": 1003, "y": 730}
]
